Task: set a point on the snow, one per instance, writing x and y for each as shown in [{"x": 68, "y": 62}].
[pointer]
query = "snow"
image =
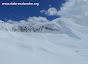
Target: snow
[
  {"x": 63, "y": 42},
  {"x": 66, "y": 44},
  {"x": 42, "y": 48}
]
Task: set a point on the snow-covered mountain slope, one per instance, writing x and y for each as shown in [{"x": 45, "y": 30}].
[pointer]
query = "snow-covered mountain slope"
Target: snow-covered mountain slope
[
  {"x": 62, "y": 26},
  {"x": 29, "y": 26},
  {"x": 41, "y": 48},
  {"x": 57, "y": 42}
]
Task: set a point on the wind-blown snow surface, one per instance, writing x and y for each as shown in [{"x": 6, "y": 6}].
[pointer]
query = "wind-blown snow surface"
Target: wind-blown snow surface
[{"x": 69, "y": 46}]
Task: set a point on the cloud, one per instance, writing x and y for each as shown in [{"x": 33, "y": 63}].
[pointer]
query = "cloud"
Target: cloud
[
  {"x": 38, "y": 19},
  {"x": 75, "y": 9},
  {"x": 72, "y": 9},
  {"x": 50, "y": 12},
  {"x": 50, "y": 5}
]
